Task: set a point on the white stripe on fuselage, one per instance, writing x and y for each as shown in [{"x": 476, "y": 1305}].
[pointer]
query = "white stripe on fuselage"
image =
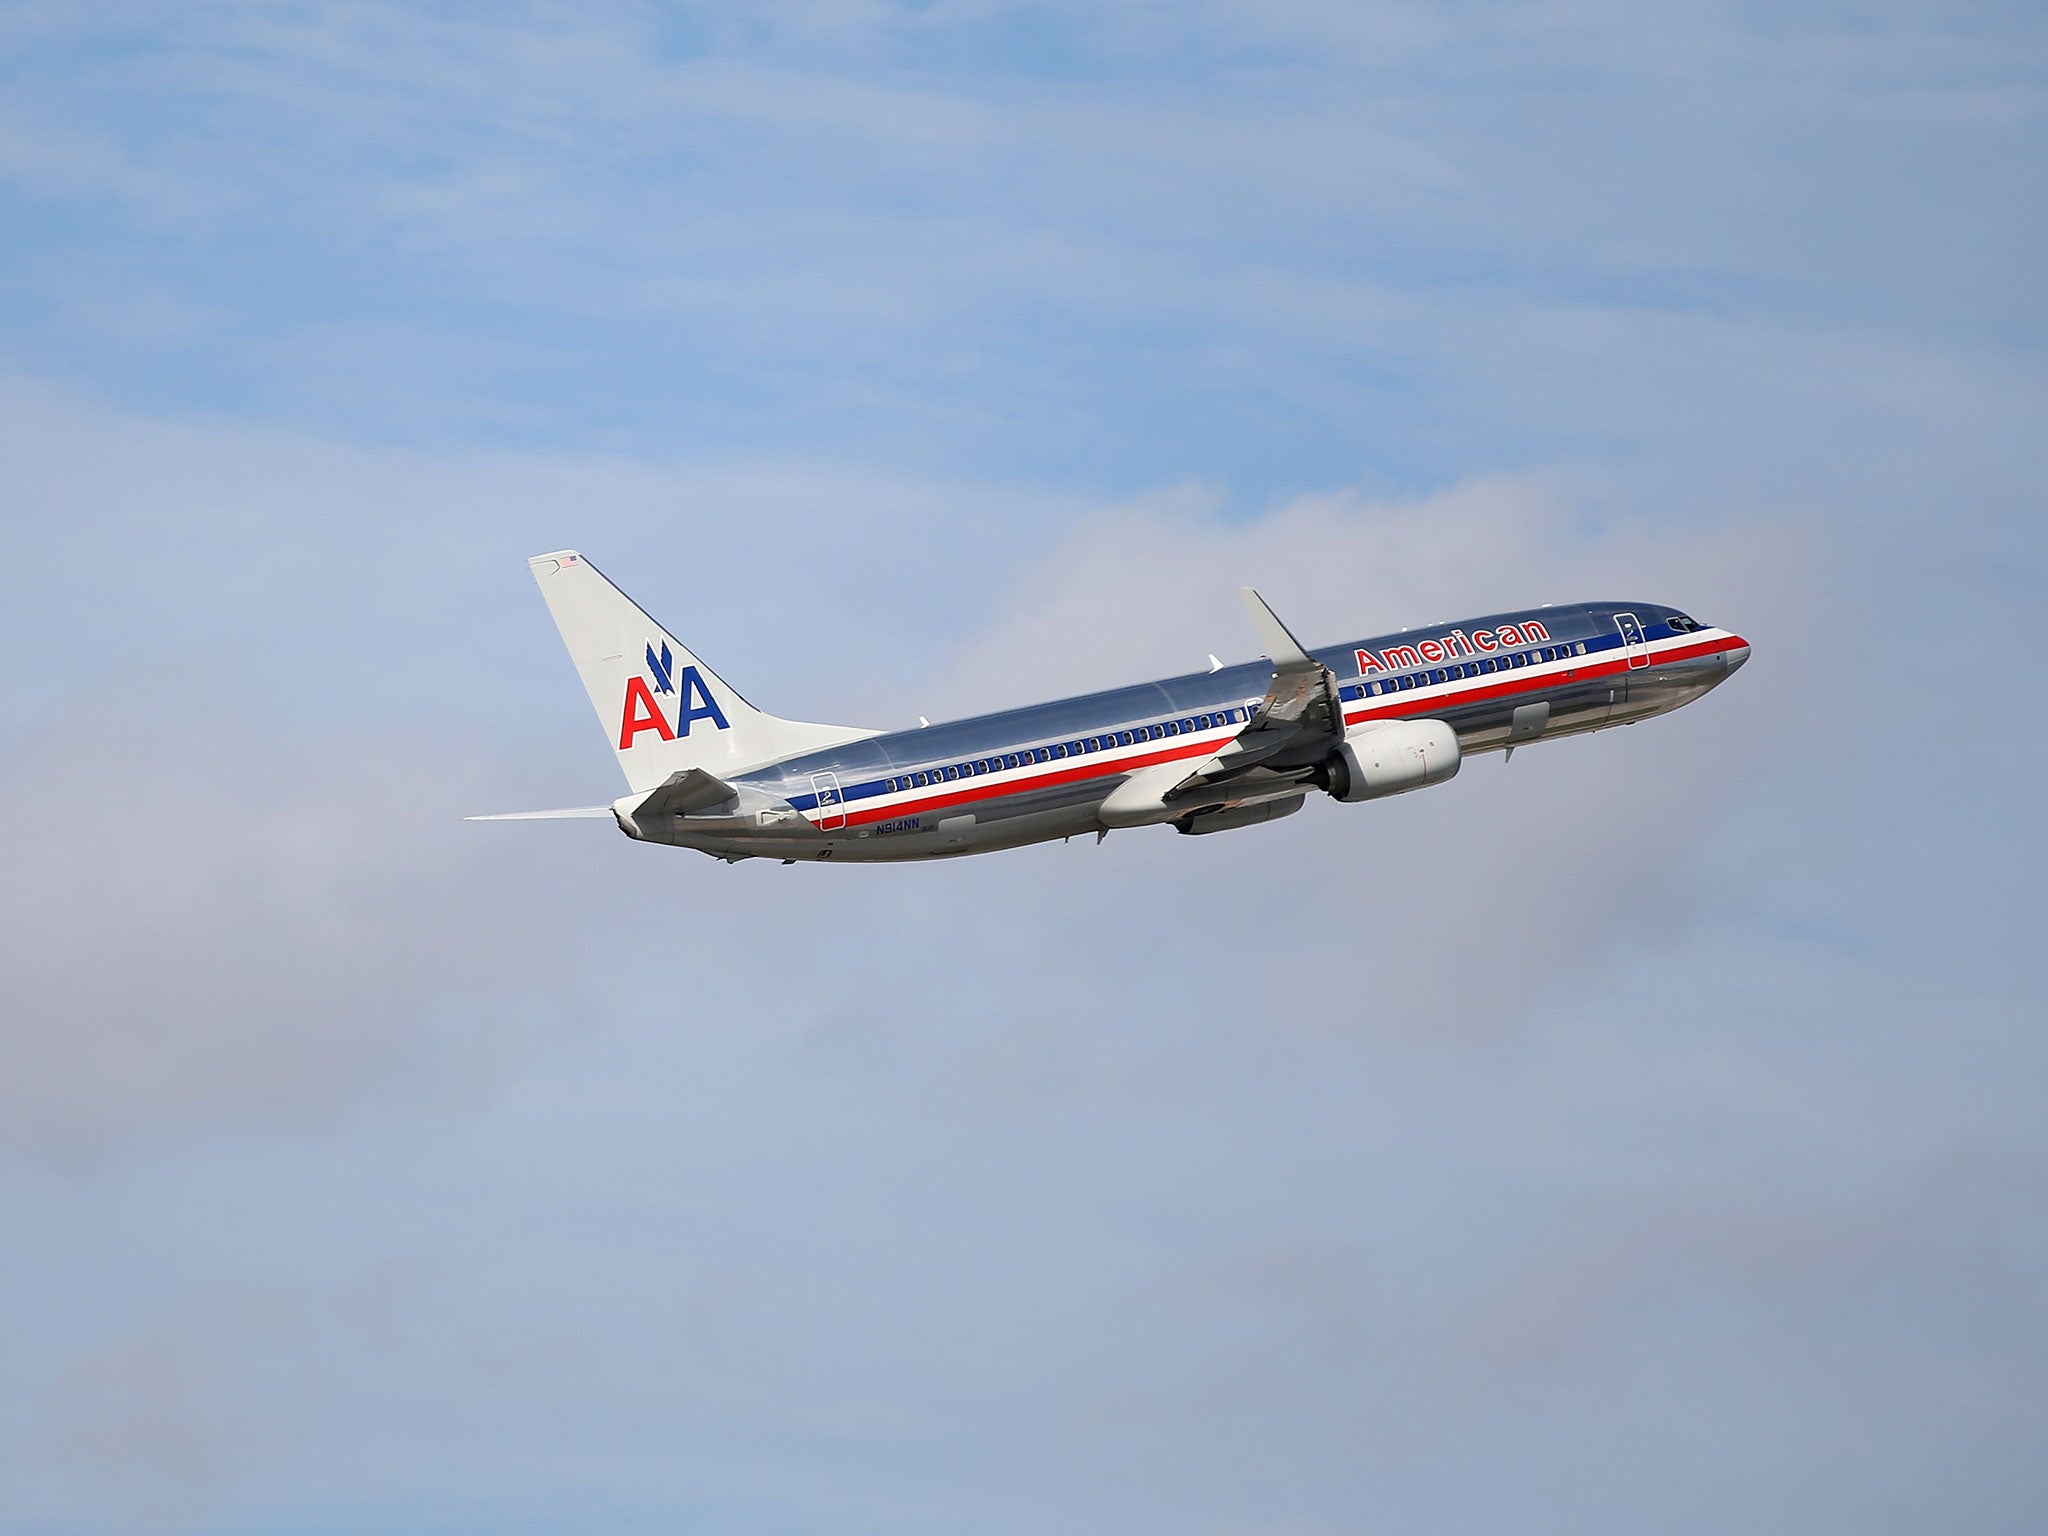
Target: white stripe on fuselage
[{"x": 1448, "y": 692}]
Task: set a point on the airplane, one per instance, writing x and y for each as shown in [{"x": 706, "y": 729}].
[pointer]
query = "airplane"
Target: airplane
[{"x": 1210, "y": 751}]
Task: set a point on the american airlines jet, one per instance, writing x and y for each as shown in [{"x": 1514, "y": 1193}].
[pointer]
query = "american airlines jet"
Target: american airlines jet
[{"x": 1206, "y": 752}]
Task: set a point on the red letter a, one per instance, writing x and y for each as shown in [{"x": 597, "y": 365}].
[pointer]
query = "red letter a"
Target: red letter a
[{"x": 641, "y": 714}]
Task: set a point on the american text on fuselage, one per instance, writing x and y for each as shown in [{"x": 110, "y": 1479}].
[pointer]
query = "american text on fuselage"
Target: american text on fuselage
[{"x": 1204, "y": 752}]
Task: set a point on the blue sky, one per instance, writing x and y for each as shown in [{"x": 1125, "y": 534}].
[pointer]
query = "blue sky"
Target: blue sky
[{"x": 1645, "y": 1135}]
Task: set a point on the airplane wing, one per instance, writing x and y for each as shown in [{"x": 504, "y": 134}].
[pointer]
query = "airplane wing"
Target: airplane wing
[
  {"x": 1296, "y": 725},
  {"x": 1301, "y": 716}
]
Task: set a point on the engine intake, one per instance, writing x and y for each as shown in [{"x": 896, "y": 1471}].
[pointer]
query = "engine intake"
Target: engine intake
[{"x": 1391, "y": 758}]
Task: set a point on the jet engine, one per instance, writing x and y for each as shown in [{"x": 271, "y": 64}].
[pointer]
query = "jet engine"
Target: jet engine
[{"x": 1390, "y": 758}]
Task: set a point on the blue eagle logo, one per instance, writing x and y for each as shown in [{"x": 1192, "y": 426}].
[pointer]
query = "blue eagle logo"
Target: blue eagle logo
[{"x": 663, "y": 667}]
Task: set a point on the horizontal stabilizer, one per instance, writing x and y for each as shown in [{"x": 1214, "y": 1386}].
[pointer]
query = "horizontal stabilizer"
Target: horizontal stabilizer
[
  {"x": 572, "y": 813},
  {"x": 682, "y": 793}
]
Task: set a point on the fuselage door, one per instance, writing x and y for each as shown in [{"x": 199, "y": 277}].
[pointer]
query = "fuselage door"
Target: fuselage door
[
  {"x": 1631, "y": 629},
  {"x": 831, "y": 810}
]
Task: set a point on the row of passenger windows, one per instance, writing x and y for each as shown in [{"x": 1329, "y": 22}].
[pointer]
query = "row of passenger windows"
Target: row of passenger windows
[
  {"x": 1063, "y": 749},
  {"x": 1165, "y": 728},
  {"x": 1456, "y": 670}
]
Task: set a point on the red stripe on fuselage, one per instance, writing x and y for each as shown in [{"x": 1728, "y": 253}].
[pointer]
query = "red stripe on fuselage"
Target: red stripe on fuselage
[
  {"x": 1071, "y": 774},
  {"x": 1460, "y": 694},
  {"x": 1391, "y": 706}
]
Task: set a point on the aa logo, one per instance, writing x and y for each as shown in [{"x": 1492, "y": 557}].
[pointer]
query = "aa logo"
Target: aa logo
[{"x": 643, "y": 712}]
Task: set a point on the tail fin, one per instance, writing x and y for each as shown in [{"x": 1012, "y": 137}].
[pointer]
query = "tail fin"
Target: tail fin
[{"x": 663, "y": 710}]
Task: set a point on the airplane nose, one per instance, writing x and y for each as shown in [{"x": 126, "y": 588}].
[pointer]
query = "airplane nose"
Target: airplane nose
[{"x": 1736, "y": 656}]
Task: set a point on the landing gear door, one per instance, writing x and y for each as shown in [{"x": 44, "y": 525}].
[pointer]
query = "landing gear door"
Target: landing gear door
[{"x": 831, "y": 810}]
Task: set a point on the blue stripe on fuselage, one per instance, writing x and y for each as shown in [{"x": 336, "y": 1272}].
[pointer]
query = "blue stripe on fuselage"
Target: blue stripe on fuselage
[{"x": 865, "y": 768}]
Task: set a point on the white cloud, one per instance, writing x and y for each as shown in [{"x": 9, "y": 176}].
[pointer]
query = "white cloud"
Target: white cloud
[
  {"x": 1526, "y": 872},
  {"x": 219, "y": 921}
]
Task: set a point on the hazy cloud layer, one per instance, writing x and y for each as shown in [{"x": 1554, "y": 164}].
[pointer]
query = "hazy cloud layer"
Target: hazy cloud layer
[
  {"x": 1642, "y": 1135},
  {"x": 205, "y": 924}
]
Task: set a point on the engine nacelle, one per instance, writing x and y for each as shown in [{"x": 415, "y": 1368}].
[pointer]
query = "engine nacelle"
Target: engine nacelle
[{"x": 1390, "y": 759}]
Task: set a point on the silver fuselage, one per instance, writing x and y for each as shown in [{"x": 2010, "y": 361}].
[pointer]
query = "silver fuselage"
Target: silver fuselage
[{"x": 1034, "y": 774}]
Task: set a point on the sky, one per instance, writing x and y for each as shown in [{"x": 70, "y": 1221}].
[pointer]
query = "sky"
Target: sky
[{"x": 1648, "y": 1134}]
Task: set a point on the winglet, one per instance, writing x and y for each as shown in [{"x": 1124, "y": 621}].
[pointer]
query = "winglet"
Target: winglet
[{"x": 1281, "y": 646}]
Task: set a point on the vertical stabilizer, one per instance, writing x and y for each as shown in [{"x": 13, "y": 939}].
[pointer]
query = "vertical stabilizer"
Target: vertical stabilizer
[{"x": 661, "y": 708}]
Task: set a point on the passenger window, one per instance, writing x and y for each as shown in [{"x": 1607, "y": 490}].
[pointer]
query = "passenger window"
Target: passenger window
[{"x": 1580, "y": 648}]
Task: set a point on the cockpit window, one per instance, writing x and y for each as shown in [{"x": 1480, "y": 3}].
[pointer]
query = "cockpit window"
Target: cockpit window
[{"x": 1681, "y": 624}]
